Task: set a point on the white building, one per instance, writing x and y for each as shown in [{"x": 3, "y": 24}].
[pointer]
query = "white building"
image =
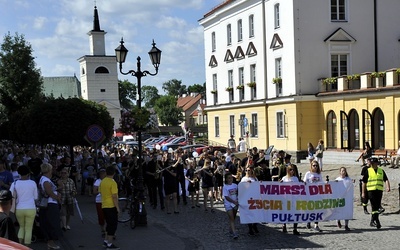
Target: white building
[
  {"x": 286, "y": 47},
  {"x": 99, "y": 73}
]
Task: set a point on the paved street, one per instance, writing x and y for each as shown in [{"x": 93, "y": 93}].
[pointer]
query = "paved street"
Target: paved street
[{"x": 196, "y": 229}]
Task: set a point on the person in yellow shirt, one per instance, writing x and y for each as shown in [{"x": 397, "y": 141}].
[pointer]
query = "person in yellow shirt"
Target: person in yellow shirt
[{"x": 109, "y": 198}]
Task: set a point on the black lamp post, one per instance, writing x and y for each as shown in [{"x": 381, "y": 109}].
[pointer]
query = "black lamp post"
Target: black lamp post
[{"x": 155, "y": 57}]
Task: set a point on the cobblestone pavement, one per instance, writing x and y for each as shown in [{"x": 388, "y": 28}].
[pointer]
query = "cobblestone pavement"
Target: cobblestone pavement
[{"x": 210, "y": 230}]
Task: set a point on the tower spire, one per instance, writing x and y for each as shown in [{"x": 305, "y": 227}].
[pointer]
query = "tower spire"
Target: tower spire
[{"x": 96, "y": 21}]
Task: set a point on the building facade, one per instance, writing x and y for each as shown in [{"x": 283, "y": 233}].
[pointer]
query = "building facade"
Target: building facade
[
  {"x": 99, "y": 73},
  {"x": 275, "y": 72}
]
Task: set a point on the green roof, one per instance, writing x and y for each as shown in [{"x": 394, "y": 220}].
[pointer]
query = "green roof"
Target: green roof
[{"x": 63, "y": 86}]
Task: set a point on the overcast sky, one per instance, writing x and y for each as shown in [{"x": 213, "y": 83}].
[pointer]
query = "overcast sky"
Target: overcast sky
[{"x": 57, "y": 31}]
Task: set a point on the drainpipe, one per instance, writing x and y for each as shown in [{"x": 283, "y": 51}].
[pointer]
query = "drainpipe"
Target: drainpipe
[
  {"x": 375, "y": 38},
  {"x": 264, "y": 40}
]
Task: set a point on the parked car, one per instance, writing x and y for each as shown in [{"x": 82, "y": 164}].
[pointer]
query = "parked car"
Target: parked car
[
  {"x": 192, "y": 147},
  {"x": 166, "y": 147},
  {"x": 222, "y": 149},
  {"x": 178, "y": 140}
]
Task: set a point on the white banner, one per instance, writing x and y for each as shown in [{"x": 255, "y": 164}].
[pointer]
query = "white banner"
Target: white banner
[{"x": 292, "y": 202}]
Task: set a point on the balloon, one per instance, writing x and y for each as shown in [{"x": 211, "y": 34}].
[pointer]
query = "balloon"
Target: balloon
[
  {"x": 164, "y": 148},
  {"x": 170, "y": 150},
  {"x": 158, "y": 147},
  {"x": 195, "y": 154}
]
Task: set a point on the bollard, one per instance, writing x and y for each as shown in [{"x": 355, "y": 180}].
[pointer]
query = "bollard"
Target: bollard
[{"x": 327, "y": 178}]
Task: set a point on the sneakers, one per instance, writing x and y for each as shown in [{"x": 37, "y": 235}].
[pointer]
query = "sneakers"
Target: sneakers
[
  {"x": 372, "y": 223},
  {"x": 339, "y": 225},
  {"x": 113, "y": 247},
  {"x": 381, "y": 210},
  {"x": 105, "y": 244},
  {"x": 346, "y": 228},
  {"x": 316, "y": 228}
]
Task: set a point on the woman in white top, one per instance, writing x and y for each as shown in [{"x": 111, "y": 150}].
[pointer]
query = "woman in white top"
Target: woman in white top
[
  {"x": 313, "y": 176},
  {"x": 347, "y": 181},
  {"x": 250, "y": 177},
  {"x": 291, "y": 176},
  {"x": 25, "y": 192},
  {"x": 49, "y": 217}
]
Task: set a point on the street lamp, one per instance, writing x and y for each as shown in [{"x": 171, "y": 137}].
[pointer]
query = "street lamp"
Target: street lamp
[{"x": 155, "y": 57}]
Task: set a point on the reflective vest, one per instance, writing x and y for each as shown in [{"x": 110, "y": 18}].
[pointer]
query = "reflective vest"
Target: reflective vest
[{"x": 375, "y": 179}]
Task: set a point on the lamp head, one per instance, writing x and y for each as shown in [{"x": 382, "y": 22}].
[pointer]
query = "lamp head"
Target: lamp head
[
  {"x": 121, "y": 52},
  {"x": 155, "y": 56}
]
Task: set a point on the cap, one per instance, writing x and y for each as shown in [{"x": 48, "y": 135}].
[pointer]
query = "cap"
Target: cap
[
  {"x": 23, "y": 170},
  {"x": 5, "y": 195},
  {"x": 373, "y": 160},
  {"x": 102, "y": 170}
]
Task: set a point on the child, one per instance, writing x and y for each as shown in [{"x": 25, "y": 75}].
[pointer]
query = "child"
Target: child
[
  {"x": 346, "y": 181},
  {"x": 313, "y": 176},
  {"x": 194, "y": 184},
  {"x": 230, "y": 191}
]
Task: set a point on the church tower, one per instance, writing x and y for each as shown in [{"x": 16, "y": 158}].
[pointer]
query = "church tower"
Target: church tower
[{"x": 99, "y": 73}]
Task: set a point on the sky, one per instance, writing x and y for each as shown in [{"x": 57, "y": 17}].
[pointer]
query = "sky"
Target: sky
[{"x": 57, "y": 32}]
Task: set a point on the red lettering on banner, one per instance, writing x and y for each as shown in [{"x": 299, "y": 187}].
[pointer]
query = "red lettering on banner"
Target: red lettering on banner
[
  {"x": 282, "y": 189},
  {"x": 320, "y": 189}
]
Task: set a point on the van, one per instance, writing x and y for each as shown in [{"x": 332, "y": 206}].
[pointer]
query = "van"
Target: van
[{"x": 128, "y": 138}]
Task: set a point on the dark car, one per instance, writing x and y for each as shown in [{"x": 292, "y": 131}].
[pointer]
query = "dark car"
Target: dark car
[{"x": 222, "y": 149}]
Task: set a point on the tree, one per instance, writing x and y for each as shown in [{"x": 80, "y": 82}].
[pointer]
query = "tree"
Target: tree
[
  {"x": 59, "y": 121},
  {"x": 150, "y": 95},
  {"x": 197, "y": 88},
  {"x": 127, "y": 93},
  {"x": 168, "y": 112},
  {"x": 174, "y": 88},
  {"x": 21, "y": 83}
]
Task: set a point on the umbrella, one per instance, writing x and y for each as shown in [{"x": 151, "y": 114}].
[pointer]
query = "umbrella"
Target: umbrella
[{"x": 77, "y": 208}]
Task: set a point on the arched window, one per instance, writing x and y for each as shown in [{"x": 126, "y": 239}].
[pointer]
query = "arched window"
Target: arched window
[
  {"x": 83, "y": 71},
  {"x": 101, "y": 70},
  {"x": 331, "y": 134}
]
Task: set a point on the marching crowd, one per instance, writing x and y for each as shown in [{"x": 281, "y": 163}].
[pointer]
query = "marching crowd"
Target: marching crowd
[{"x": 27, "y": 174}]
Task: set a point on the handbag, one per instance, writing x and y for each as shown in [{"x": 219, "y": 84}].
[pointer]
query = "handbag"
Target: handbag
[{"x": 14, "y": 199}]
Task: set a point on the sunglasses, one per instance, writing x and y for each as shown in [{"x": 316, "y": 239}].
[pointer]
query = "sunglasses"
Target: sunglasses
[
  {"x": 315, "y": 165},
  {"x": 291, "y": 169}
]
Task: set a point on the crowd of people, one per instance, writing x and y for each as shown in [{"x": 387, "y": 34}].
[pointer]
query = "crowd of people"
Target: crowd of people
[{"x": 170, "y": 178}]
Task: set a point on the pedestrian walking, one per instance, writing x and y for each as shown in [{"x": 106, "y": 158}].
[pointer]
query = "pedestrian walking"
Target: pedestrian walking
[{"x": 374, "y": 181}]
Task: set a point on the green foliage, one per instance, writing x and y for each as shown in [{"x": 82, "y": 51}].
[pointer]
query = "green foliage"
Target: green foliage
[
  {"x": 276, "y": 80},
  {"x": 174, "y": 88},
  {"x": 168, "y": 112},
  {"x": 59, "y": 121},
  {"x": 127, "y": 93},
  {"x": 378, "y": 74},
  {"x": 134, "y": 120},
  {"x": 197, "y": 88},
  {"x": 149, "y": 95},
  {"x": 21, "y": 84},
  {"x": 353, "y": 77},
  {"x": 330, "y": 80}
]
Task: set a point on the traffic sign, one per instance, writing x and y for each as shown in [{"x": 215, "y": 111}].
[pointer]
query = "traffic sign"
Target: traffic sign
[{"x": 95, "y": 133}]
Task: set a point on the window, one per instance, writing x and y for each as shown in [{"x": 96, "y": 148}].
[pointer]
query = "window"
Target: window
[
  {"x": 242, "y": 128},
  {"x": 338, "y": 10},
  {"x": 241, "y": 82},
  {"x": 230, "y": 84},
  {"x": 338, "y": 65},
  {"x": 278, "y": 75},
  {"x": 102, "y": 90},
  {"x": 253, "y": 79},
  {"x": 280, "y": 124},
  {"x": 254, "y": 125},
  {"x": 229, "y": 34},
  {"x": 216, "y": 126},
  {"x": 251, "y": 26},
  {"x": 213, "y": 41},
  {"x": 240, "y": 30},
  {"x": 101, "y": 70},
  {"x": 276, "y": 16},
  {"x": 232, "y": 124},
  {"x": 215, "y": 87}
]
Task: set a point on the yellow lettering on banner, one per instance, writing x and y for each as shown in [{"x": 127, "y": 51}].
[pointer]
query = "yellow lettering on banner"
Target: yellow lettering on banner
[
  {"x": 320, "y": 204},
  {"x": 288, "y": 205},
  {"x": 265, "y": 204}
]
